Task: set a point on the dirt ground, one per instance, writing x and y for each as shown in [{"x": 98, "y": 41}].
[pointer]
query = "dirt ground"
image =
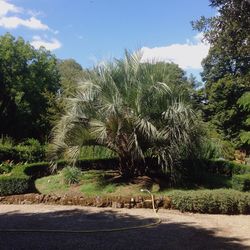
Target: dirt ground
[{"x": 177, "y": 231}]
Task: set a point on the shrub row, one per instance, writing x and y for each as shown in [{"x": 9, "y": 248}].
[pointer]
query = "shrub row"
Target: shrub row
[
  {"x": 22, "y": 153},
  {"x": 32, "y": 151},
  {"x": 19, "y": 181},
  {"x": 21, "y": 178},
  {"x": 239, "y": 173},
  {"x": 217, "y": 201},
  {"x": 14, "y": 184},
  {"x": 226, "y": 168}
]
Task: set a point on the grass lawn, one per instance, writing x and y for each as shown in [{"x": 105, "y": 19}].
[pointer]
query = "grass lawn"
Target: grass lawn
[
  {"x": 100, "y": 182},
  {"x": 94, "y": 182}
]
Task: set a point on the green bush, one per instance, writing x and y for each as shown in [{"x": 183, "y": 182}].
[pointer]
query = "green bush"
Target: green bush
[
  {"x": 21, "y": 178},
  {"x": 241, "y": 182},
  {"x": 28, "y": 151},
  {"x": 220, "y": 201},
  {"x": 27, "y": 173},
  {"x": 13, "y": 184},
  {"x": 16, "y": 182},
  {"x": 226, "y": 168},
  {"x": 100, "y": 163},
  {"x": 71, "y": 175}
]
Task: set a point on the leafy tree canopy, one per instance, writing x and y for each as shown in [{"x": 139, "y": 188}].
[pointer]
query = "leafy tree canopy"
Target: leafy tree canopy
[
  {"x": 71, "y": 74},
  {"x": 226, "y": 69},
  {"x": 28, "y": 81}
]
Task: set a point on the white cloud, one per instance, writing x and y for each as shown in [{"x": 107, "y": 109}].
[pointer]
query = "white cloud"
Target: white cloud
[
  {"x": 14, "y": 22},
  {"x": 6, "y": 8},
  {"x": 52, "y": 44},
  {"x": 10, "y": 20},
  {"x": 188, "y": 55}
]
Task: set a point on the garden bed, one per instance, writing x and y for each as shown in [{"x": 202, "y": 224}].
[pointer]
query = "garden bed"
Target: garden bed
[{"x": 220, "y": 201}]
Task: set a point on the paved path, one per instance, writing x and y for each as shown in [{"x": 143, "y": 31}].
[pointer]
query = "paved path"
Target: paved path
[{"x": 177, "y": 231}]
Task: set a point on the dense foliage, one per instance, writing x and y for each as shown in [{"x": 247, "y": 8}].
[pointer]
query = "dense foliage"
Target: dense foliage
[
  {"x": 71, "y": 73},
  {"x": 241, "y": 182},
  {"x": 29, "y": 150},
  {"x": 225, "y": 168},
  {"x": 135, "y": 110},
  {"x": 226, "y": 69},
  {"x": 28, "y": 81}
]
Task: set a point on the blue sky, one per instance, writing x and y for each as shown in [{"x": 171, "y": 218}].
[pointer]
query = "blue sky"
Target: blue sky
[{"x": 92, "y": 31}]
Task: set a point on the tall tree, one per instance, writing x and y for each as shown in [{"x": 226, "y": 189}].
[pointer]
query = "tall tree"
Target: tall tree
[
  {"x": 226, "y": 69},
  {"x": 28, "y": 80},
  {"x": 71, "y": 73}
]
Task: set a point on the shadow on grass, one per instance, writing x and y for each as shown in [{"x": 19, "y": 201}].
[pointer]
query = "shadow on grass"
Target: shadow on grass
[{"x": 168, "y": 235}]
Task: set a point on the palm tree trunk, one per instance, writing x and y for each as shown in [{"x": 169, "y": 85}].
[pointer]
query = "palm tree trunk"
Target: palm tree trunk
[
  {"x": 126, "y": 167},
  {"x": 130, "y": 168}
]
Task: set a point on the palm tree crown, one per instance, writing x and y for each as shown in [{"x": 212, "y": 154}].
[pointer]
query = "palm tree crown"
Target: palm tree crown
[{"x": 132, "y": 108}]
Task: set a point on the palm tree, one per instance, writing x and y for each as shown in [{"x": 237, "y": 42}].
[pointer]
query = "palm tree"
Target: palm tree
[{"x": 132, "y": 109}]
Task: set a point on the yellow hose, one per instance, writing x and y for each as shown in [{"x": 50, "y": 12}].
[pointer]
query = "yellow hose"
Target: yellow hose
[{"x": 157, "y": 222}]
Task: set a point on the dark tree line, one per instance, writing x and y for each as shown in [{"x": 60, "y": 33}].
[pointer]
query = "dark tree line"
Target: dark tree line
[
  {"x": 226, "y": 69},
  {"x": 31, "y": 83}
]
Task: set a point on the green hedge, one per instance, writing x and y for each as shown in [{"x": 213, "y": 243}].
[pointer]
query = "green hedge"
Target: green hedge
[
  {"x": 21, "y": 179},
  {"x": 13, "y": 184},
  {"x": 241, "y": 182},
  {"x": 22, "y": 153},
  {"x": 218, "y": 201},
  {"x": 226, "y": 168}
]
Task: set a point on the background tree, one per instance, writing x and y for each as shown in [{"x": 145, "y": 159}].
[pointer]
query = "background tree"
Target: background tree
[
  {"x": 134, "y": 109},
  {"x": 226, "y": 69},
  {"x": 244, "y": 103},
  {"x": 71, "y": 74},
  {"x": 29, "y": 80}
]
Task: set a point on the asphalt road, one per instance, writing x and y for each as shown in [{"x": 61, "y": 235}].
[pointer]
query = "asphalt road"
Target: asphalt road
[{"x": 177, "y": 231}]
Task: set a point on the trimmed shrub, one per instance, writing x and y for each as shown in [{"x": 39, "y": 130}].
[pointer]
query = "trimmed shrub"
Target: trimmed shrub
[
  {"x": 241, "y": 182},
  {"x": 226, "y": 168},
  {"x": 29, "y": 151},
  {"x": 21, "y": 178},
  {"x": 13, "y": 184},
  {"x": 220, "y": 201},
  {"x": 17, "y": 182},
  {"x": 87, "y": 164}
]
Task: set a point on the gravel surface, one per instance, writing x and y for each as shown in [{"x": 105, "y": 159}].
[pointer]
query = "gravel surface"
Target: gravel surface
[{"x": 177, "y": 231}]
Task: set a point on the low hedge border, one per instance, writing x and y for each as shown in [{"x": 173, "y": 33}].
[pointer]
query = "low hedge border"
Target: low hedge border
[
  {"x": 21, "y": 179},
  {"x": 217, "y": 201}
]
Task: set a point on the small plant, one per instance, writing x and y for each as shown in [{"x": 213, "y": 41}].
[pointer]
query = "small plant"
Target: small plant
[
  {"x": 6, "y": 167},
  {"x": 71, "y": 175}
]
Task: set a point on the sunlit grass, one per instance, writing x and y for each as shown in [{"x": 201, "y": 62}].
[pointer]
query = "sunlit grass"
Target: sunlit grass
[{"x": 51, "y": 184}]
